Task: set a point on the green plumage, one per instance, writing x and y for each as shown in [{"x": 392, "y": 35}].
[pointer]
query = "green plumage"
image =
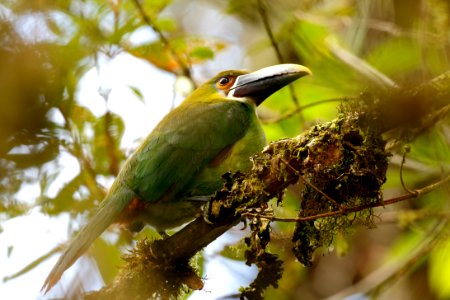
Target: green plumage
[
  {"x": 182, "y": 145},
  {"x": 179, "y": 159},
  {"x": 214, "y": 131}
]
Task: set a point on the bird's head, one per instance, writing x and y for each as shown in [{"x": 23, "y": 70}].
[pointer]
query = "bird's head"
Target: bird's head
[{"x": 247, "y": 86}]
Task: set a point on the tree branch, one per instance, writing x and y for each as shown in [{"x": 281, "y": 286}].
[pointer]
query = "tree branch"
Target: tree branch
[{"x": 344, "y": 160}]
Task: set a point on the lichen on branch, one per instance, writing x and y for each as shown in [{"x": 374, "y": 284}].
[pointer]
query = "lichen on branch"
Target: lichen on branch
[{"x": 342, "y": 164}]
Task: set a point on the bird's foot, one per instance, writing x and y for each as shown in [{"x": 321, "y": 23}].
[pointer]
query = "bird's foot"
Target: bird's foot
[
  {"x": 206, "y": 198},
  {"x": 206, "y": 210}
]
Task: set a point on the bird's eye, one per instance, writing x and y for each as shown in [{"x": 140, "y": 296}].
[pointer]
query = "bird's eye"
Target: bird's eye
[{"x": 223, "y": 80}]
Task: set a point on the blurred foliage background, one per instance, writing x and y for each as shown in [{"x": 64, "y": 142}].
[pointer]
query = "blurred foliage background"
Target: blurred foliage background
[{"x": 352, "y": 46}]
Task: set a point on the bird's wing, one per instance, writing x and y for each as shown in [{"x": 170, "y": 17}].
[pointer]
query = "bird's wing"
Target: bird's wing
[
  {"x": 184, "y": 142},
  {"x": 182, "y": 145}
]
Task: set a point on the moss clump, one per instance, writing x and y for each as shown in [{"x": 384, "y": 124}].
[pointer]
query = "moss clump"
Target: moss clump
[
  {"x": 345, "y": 166},
  {"x": 156, "y": 280}
]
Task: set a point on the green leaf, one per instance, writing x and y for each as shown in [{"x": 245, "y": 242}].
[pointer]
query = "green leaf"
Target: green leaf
[
  {"x": 33, "y": 264},
  {"x": 65, "y": 197},
  {"x": 196, "y": 48},
  {"x": 81, "y": 115},
  {"x": 107, "y": 257},
  {"x": 108, "y": 132},
  {"x": 439, "y": 272},
  {"x": 155, "y": 7},
  {"x": 137, "y": 92},
  {"x": 394, "y": 55},
  {"x": 236, "y": 251},
  {"x": 166, "y": 24},
  {"x": 47, "y": 151},
  {"x": 202, "y": 53},
  {"x": 53, "y": 26}
]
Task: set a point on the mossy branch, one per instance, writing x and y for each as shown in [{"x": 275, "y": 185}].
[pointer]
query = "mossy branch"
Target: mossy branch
[{"x": 343, "y": 165}]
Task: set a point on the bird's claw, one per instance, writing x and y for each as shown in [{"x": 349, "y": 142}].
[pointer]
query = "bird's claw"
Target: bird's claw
[{"x": 206, "y": 210}]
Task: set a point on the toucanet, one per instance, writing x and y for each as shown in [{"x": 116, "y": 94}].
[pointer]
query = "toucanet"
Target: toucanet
[{"x": 179, "y": 165}]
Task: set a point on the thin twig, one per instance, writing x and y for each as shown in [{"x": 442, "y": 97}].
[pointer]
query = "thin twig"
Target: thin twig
[
  {"x": 85, "y": 163},
  {"x": 301, "y": 108},
  {"x": 413, "y": 194},
  {"x": 34, "y": 263},
  {"x": 263, "y": 13},
  {"x": 166, "y": 42},
  {"x": 408, "y": 216},
  {"x": 407, "y": 149},
  {"x": 341, "y": 207},
  {"x": 361, "y": 66},
  {"x": 430, "y": 241},
  {"x": 373, "y": 284}
]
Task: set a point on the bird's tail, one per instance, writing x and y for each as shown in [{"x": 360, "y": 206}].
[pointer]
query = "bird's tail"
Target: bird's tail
[{"x": 114, "y": 203}]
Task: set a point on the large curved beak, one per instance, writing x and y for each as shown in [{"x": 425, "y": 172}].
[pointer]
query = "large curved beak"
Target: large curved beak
[{"x": 261, "y": 84}]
